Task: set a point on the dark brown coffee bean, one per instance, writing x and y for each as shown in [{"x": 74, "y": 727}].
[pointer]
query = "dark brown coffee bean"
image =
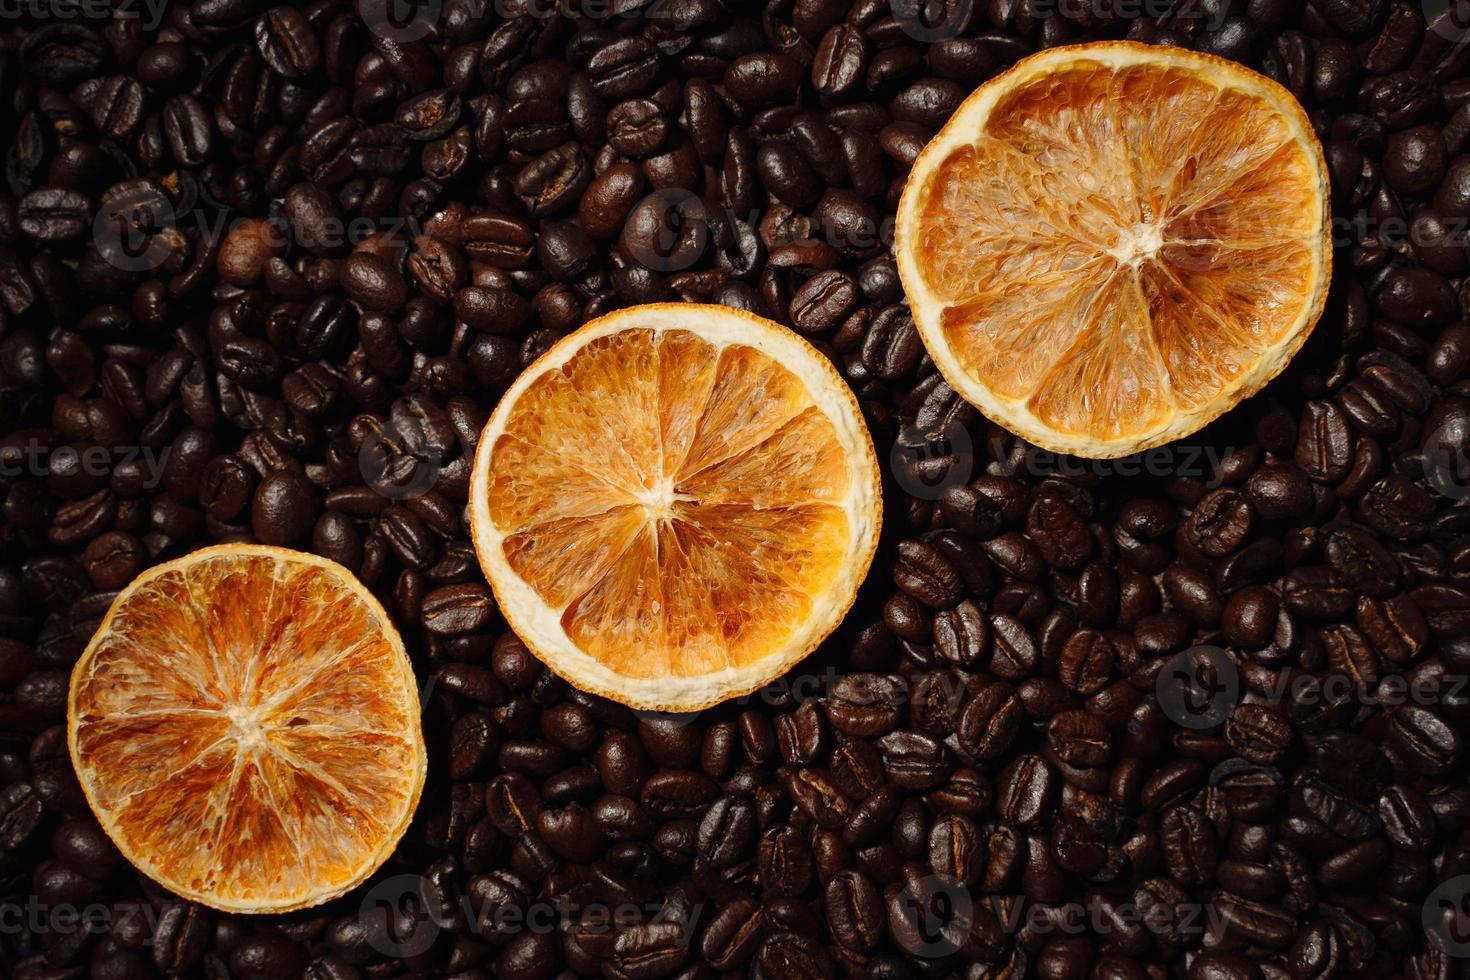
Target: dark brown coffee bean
[
  {"x": 1086, "y": 661},
  {"x": 284, "y": 507},
  {"x": 961, "y": 634},
  {"x": 1428, "y": 744},
  {"x": 785, "y": 861},
  {"x": 763, "y": 79},
  {"x": 1324, "y": 443},
  {"x": 864, "y": 704},
  {"x": 855, "y": 911},
  {"x": 734, "y": 934},
  {"x": 287, "y": 42},
  {"x": 1079, "y": 739},
  {"x": 1025, "y": 790},
  {"x": 956, "y": 849},
  {"x": 990, "y": 722}
]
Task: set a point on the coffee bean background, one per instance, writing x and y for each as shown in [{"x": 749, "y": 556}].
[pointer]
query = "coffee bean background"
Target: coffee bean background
[{"x": 264, "y": 272}]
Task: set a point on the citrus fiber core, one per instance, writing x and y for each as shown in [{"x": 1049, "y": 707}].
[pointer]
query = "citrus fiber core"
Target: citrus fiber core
[
  {"x": 675, "y": 504},
  {"x": 1110, "y": 245}
]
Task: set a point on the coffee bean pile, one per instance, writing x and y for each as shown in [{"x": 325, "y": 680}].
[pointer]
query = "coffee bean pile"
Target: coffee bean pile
[{"x": 264, "y": 271}]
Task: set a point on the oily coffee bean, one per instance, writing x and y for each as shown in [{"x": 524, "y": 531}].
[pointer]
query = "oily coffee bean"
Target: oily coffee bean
[
  {"x": 734, "y": 934},
  {"x": 54, "y": 214},
  {"x": 855, "y": 910}
]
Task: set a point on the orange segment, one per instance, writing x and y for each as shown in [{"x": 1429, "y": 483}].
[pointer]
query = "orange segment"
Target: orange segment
[
  {"x": 1112, "y": 377},
  {"x": 1110, "y": 245},
  {"x": 1202, "y": 349},
  {"x": 245, "y": 726},
  {"x": 1011, "y": 339},
  {"x": 694, "y": 583},
  {"x": 971, "y": 242},
  {"x": 792, "y": 465},
  {"x": 617, "y": 380},
  {"x": 581, "y": 436},
  {"x": 686, "y": 375},
  {"x": 564, "y": 558},
  {"x": 744, "y": 511},
  {"x": 752, "y": 396},
  {"x": 620, "y": 620},
  {"x": 751, "y": 601},
  {"x": 522, "y": 468}
]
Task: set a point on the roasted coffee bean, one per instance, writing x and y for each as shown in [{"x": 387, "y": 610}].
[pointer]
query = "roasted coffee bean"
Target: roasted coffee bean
[
  {"x": 961, "y": 634},
  {"x": 1316, "y": 592},
  {"x": 855, "y": 911},
  {"x": 823, "y": 302},
  {"x": 1190, "y": 846},
  {"x": 864, "y": 704},
  {"x": 913, "y": 760},
  {"x": 1014, "y": 653},
  {"x": 1324, "y": 443},
  {"x": 1426, "y": 742},
  {"x": 181, "y": 937},
  {"x": 1025, "y": 790},
  {"x": 622, "y": 68},
  {"x": 762, "y": 79},
  {"x": 1086, "y": 661},
  {"x": 785, "y": 861},
  {"x": 857, "y": 768},
  {"x": 287, "y": 42},
  {"x": 1079, "y": 739},
  {"x": 815, "y": 794},
  {"x": 791, "y": 954},
  {"x": 1256, "y": 923},
  {"x": 552, "y": 183},
  {"x": 373, "y": 283},
  {"x": 990, "y": 722},
  {"x": 21, "y": 813},
  {"x": 677, "y": 793},
  {"x": 956, "y": 849},
  {"x": 1258, "y": 733},
  {"x": 284, "y": 507},
  {"x": 734, "y": 934},
  {"x": 54, "y": 214}
]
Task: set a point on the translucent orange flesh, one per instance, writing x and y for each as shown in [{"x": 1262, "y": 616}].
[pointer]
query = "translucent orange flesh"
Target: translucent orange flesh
[
  {"x": 245, "y": 725},
  {"x": 679, "y": 503},
  {"x": 1119, "y": 244}
]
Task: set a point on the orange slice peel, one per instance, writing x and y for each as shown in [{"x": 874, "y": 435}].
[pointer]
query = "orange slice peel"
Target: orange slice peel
[
  {"x": 675, "y": 504},
  {"x": 245, "y": 726},
  {"x": 1109, "y": 245}
]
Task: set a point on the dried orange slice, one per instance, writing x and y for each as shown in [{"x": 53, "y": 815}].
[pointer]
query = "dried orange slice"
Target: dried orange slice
[
  {"x": 245, "y": 725},
  {"x": 1111, "y": 244},
  {"x": 675, "y": 504}
]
